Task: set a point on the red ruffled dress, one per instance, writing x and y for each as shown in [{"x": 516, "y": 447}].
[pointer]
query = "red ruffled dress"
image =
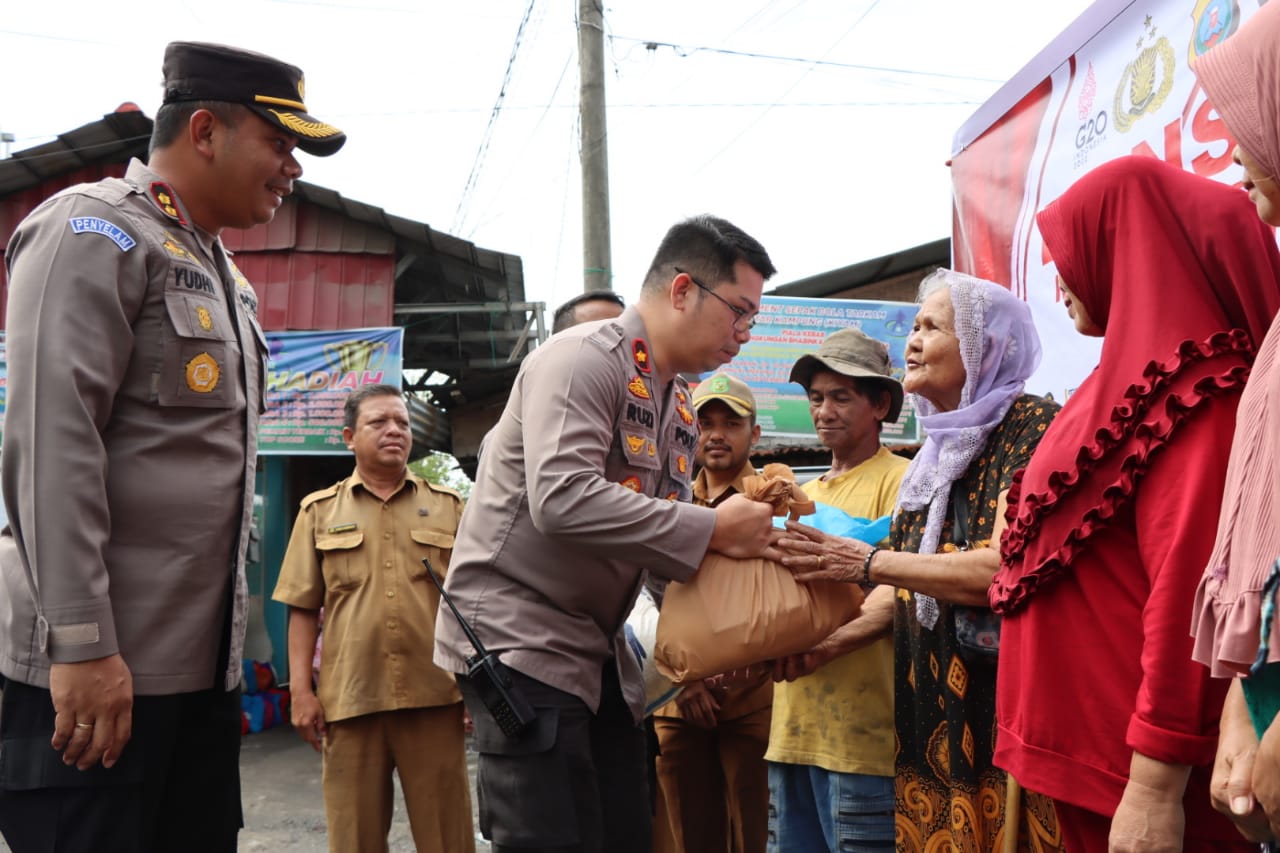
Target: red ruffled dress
[{"x": 1114, "y": 518}]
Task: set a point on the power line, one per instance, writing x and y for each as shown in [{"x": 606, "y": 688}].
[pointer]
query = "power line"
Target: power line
[
  {"x": 793, "y": 86},
  {"x": 689, "y": 50},
  {"x": 460, "y": 214}
]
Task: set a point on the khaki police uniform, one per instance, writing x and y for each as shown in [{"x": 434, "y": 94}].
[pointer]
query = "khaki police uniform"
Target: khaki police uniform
[
  {"x": 583, "y": 485},
  {"x": 385, "y": 704},
  {"x": 136, "y": 369}
]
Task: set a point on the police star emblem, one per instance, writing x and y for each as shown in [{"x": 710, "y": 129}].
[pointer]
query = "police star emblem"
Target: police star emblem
[
  {"x": 203, "y": 373},
  {"x": 640, "y": 352}
]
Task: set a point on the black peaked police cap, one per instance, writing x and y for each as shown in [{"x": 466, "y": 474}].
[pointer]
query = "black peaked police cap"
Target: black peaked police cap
[{"x": 196, "y": 71}]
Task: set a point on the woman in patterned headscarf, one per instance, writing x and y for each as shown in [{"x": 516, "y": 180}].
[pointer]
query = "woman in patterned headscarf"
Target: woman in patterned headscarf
[
  {"x": 1242, "y": 79},
  {"x": 971, "y": 350},
  {"x": 1099, "y": 703}
]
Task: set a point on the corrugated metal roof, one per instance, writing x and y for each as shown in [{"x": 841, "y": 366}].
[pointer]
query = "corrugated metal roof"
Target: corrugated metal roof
[{"x": 924, "y": 256}]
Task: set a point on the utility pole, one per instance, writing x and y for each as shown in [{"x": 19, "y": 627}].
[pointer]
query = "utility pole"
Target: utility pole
[{"x": 596, "y": 256}]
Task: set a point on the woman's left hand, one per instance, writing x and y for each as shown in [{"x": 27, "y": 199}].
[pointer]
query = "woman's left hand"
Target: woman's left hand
[
  {"x": 812, "y": 555},
  {"x": 1150, "y": 818}
]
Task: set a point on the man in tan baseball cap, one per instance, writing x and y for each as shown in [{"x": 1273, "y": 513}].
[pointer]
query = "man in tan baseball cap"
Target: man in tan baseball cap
[{"x": 713, "y": 784}]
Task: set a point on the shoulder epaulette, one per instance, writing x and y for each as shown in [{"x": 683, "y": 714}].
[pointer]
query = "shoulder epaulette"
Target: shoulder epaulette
[{"x": 320, "y": 495}]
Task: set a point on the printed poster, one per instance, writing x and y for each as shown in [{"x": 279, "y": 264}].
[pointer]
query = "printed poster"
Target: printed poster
[{"x": 790, "y": 327}]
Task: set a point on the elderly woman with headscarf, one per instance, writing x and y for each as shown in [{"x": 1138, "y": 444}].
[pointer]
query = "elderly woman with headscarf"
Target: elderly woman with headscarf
[
  {"x": 970, "y": 352},
  {"x": 1099, "y": 704},
  {"x": 1242, "y": 79}
]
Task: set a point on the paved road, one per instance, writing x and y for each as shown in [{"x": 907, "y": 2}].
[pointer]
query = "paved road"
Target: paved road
[{"x": 283, "y": 805}]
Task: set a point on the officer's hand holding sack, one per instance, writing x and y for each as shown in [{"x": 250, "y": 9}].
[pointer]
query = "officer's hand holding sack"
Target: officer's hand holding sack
[{"x": 738, "y": 612}]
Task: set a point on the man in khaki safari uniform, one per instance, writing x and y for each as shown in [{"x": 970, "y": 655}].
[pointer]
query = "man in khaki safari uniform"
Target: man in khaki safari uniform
[{"x": 357, "y": 550}]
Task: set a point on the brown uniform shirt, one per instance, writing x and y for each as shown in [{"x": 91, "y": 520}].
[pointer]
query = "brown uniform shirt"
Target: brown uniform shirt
[
  {"x": 583, "y": 484},
  {"x": 136, "y": 369},
  {"x": 738, "y": 701},
  {"x": 361, "y": 558}
]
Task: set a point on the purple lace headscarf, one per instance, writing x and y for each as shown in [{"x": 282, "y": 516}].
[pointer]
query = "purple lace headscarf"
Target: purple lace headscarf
[{"x": 1000, "y": 350}]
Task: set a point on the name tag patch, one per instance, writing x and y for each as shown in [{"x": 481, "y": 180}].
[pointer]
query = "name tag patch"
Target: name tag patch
[{"x": 97, "y": 225}]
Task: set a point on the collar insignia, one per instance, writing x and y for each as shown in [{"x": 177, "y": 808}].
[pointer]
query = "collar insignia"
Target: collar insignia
[
  {"x": 166, "y": 201},
  {"x": 640, "y": 352}
]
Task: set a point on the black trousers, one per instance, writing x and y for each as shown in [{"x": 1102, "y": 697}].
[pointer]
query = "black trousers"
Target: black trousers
[
  {"x": 576, "y": 782},
  {"x": 175, "y": 787}
]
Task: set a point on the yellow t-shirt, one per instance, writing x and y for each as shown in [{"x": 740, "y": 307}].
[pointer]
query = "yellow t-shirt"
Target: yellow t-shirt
[{"x": 840, "y": 717}]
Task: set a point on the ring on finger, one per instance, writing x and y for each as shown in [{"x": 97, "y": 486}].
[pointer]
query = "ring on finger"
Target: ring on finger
[
  {"x": 819, "y": 561},
  {"x": 84, "y": 725}
]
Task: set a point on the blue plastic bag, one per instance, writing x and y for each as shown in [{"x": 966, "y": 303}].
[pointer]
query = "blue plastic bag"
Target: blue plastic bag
[{"x": 837, "y": 522}]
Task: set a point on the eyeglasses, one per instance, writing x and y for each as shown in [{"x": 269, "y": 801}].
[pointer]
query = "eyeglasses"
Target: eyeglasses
[{"x": 743, "y": 320}]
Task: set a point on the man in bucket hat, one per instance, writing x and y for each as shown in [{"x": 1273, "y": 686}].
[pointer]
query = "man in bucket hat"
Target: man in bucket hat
[
  {"x": 831, "y": 743},
  {"x": 136, "y": 368}
]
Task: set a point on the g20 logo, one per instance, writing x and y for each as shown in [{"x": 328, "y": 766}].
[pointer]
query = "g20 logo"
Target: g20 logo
[{"x": 1092, "y": 131}]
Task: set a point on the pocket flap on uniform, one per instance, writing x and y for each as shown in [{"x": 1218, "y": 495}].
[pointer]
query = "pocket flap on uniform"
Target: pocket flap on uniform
[
  {"x": 197, "y": 317},
  {"x": 428, "y": 536},
  {"x": 339, "y": 541}
]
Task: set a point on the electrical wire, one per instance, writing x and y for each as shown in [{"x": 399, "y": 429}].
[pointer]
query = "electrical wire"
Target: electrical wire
[
  {"x": 459, "y": 216},
  {"x": 689, "y": 50}
]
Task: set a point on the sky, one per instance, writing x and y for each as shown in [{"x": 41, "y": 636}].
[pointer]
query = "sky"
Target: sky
[{"x": 821, "y": 127}]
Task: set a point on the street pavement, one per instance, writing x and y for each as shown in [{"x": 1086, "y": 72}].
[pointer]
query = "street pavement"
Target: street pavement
[{"x": 283, "y": 803}]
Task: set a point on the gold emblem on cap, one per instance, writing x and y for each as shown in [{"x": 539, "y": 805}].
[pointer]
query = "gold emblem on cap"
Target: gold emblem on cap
[
  {"x": 302, "y": 127},
  {"x": 206, "y": 320},
  {"x": 203, "y": 373},
  {"x": 302, "y": 89}
]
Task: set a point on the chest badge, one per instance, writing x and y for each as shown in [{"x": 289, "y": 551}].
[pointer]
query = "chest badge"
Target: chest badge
[
  {"x": 203, "y": 373},
  {"x": 685, "y": 415},
  {"x": 204, "y": 318},
  {"x": 682, "y": 464},
  {"x": 640, "y": 354},
  {"x": 343, "y": 528},
  {"x": 638, "y": 389},
  {"x": 635, "y": 443}
]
